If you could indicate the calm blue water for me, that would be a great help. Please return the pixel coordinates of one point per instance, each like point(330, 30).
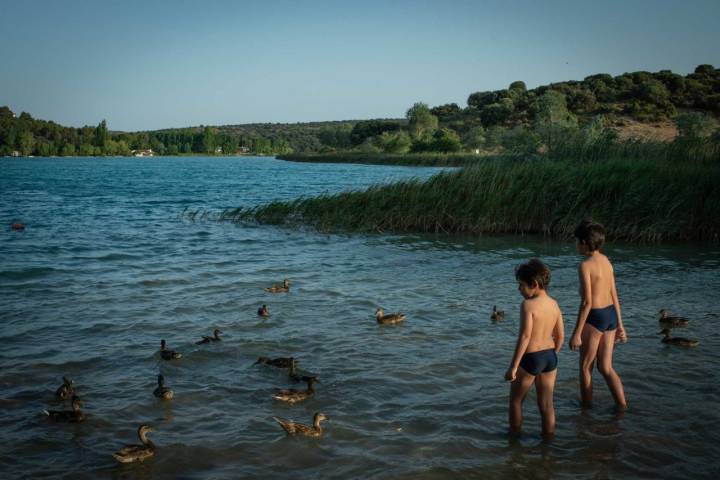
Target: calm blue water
point(107, 267)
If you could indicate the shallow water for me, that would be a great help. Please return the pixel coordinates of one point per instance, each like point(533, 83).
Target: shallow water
point(107, 267)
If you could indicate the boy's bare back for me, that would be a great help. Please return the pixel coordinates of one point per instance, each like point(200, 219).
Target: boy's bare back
point(597, 275)
point(545, 314)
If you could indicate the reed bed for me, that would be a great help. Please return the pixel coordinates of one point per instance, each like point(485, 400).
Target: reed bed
point(406, 160)
point(640, 191)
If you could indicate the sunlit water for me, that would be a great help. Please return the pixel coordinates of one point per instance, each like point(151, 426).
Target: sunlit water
point(107, 267)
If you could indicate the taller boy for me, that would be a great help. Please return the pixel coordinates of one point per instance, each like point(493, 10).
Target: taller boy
point(599, 323)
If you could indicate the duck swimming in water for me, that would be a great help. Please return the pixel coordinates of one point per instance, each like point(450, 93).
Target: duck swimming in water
point(682, 342)
point(72, 416)
point(66, 390)
point(166, 354)
point(162, 391)
point(389, 319)
point(214, 338)
point(293, 428)
point(263, 311)
point(17, 226)
point(497, 314)
point(292, 395)
point(294, 377)
point(280, 362)
point(285, 287)
point(137, 453)
point(672, 320)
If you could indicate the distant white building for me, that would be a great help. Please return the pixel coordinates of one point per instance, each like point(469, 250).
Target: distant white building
point(143, 153)
point(218, 150)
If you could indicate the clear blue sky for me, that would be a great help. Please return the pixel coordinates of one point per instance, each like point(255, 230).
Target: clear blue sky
point(160, 64)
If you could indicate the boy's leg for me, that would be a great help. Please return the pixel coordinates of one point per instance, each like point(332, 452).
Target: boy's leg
point(604, 358)
point(591, 337)
point(518, 391)
point(545, 386)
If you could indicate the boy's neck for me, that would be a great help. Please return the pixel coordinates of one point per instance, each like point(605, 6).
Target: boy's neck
point(539, 293)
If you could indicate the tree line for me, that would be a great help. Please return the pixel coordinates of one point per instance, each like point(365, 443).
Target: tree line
point(514, 119)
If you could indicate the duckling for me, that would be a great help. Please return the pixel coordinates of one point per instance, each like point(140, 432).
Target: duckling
point(166, 354)
point(682, 342)
point(162, 391)
point(293, 428)
point(390, 318)
point(73, 416)
point(66, 390)
point(263, 311)
point(214, 338)
point(292, 395)
point(137, 453)
point(497, 314)
point(671, 320)
point(280, 362)
point(285, 287)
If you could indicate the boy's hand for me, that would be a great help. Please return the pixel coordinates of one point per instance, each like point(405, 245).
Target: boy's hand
point(620, 335)
point(575, 342)
point(511, 374)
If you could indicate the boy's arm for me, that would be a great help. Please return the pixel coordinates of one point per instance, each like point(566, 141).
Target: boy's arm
point(526, 324)
point(620, 335)
point(559, 333)
point(585, 306)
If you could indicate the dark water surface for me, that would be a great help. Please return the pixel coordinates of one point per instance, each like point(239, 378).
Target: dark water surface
point(106, 268)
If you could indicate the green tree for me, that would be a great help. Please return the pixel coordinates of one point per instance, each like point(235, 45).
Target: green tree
point(553, 120)
point(27, 143)
point(101, 135)
point(474, 138)
point(420, 121)
point(68, 150)
point(695, 125)
point(445, 140)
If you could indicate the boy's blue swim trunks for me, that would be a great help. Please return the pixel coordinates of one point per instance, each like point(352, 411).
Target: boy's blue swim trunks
point(604, 319)
point(538, 362)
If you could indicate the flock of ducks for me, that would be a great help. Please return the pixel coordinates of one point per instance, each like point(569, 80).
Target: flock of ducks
point(146, 448)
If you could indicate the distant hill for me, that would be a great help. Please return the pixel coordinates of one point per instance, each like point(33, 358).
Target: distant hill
point(635, 105)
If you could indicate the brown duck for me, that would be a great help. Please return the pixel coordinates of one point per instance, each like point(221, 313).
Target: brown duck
point(137, 453)
point(680, 341)
point(293, 428)
point(389, 319)
point(293, 396)
point(66, 390)
point(671, 320)
point(72, 416)
point(284, 288)
point(162, 391)
point(214, 338)
point(497, 314)
point(280, 362)
point(166, 354)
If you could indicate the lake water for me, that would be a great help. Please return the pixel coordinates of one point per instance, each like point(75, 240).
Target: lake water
point(107, 267)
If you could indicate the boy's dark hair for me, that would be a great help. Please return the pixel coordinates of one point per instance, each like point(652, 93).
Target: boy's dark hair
point(591, 234)
point(534, 270)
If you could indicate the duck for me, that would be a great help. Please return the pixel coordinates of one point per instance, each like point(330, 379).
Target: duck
point(294, 428)
point(682, 342)
point(294, 377)
point(66, 390)
point(72, 416)
point(263, 311)
point(18, 226)
point(137, 453)
point(497, 314)
point(285, 287)
point(166, 354)
point(292, 395)
point(671, 320)
point(280, 362)
point(390, 318)
point(214, 338)
point(162, 391)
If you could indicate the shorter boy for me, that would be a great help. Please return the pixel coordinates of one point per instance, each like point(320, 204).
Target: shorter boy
point(540, 339)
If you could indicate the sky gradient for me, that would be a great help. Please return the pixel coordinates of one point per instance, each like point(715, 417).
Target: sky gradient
point(157, 64)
